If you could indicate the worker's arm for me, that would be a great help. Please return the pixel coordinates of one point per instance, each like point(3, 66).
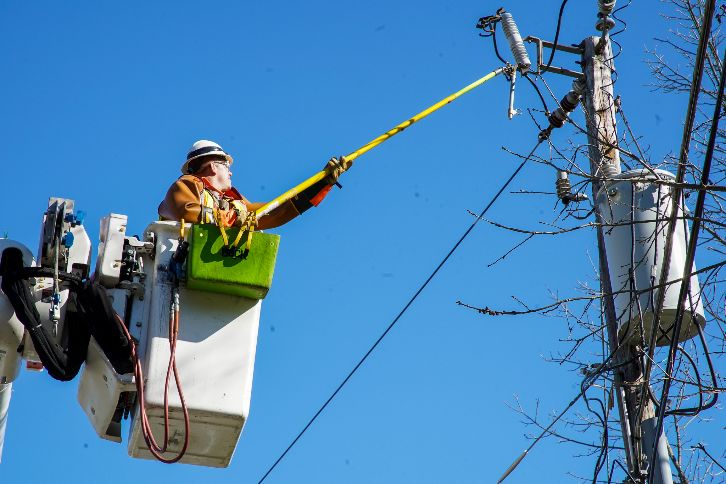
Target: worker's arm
point(280, 216)
point(311, 196)
point(182, 200)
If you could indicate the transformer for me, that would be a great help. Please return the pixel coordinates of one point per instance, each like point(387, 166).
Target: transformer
point(635, 208)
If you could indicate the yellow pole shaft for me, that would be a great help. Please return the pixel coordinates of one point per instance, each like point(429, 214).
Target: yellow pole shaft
point(393, 132)
point(270, 206)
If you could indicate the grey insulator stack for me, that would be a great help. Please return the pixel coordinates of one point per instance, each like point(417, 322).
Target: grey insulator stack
point(605, 9)
point(516, 45)
point(564, 189)
point(567, 104)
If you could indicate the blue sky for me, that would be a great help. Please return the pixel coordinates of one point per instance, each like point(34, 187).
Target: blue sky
point(101, 101)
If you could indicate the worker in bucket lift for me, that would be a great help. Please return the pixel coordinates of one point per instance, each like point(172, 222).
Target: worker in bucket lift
point(204, 193)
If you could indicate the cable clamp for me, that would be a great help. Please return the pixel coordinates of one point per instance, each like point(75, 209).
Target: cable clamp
point(544, 134)
point(489, 22)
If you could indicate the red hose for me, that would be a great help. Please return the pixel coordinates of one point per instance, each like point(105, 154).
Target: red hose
point(155, 449)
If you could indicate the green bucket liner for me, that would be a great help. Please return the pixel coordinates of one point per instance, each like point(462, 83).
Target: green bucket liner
point(210, 268)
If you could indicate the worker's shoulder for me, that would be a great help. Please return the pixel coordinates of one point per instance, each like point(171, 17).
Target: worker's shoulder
point(190, 180)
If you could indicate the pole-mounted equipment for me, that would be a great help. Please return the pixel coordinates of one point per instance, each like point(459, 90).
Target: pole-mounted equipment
point(516, 45)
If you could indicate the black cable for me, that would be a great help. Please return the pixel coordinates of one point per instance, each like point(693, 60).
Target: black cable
point(62, 360)
point(630, 476)
point(677, 191)
point(28, 272)
point(400, 314)
point(557, 36)
point(693, 411)
point(494, 41)
point(584, 386)
point(700, 202)
point(599, 462)
point(615, 16)
point(615, 56)
point(711, 368)
point(489, 25)
point(703, 448)
point(539, 93)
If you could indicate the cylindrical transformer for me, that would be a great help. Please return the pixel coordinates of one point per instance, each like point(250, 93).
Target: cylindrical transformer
point(635, 210)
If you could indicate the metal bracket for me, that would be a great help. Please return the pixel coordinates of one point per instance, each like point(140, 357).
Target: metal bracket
point(541, 67)
point(136, 288)
point(511, 111)
point(139, 246)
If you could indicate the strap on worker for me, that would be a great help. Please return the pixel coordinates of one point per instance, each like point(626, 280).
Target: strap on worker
point(208, 204)
point(247, 229)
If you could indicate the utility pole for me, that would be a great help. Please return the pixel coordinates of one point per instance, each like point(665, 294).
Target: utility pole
point(638, 437)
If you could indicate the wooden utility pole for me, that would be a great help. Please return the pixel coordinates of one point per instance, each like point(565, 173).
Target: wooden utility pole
point(604, 158)
point(600, 106)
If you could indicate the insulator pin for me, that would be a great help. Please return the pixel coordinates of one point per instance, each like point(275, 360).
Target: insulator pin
point(564, 189)
point(609, 170)
point(604, 22)
point(516, 45)
point(567, 104)
point(606, 7)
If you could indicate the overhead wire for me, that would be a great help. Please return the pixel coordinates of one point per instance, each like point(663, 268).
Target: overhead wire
point(705, 172)
point(494, 42)
point(489, 26)
point(700, 407)
point(703, 448)
point(539, 93)
point(437, 268)
point(557, 35)
point(401, 313)
point(614, 15)
point(714, 390)
point(584, 386)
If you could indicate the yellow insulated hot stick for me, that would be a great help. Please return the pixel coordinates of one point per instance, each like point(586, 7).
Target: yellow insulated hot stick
point(270, 206)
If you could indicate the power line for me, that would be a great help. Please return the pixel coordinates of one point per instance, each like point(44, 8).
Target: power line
point(584, 386)
point(676, 197)
point(557, 35)
point(693, 242)
point(401, 313)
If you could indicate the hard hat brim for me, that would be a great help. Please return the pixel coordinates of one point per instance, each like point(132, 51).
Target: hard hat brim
point(185, 166)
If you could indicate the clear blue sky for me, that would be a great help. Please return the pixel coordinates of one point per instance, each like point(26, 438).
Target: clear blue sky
point(101, 100)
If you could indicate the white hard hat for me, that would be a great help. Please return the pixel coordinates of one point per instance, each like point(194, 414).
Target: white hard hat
point(201, 148)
